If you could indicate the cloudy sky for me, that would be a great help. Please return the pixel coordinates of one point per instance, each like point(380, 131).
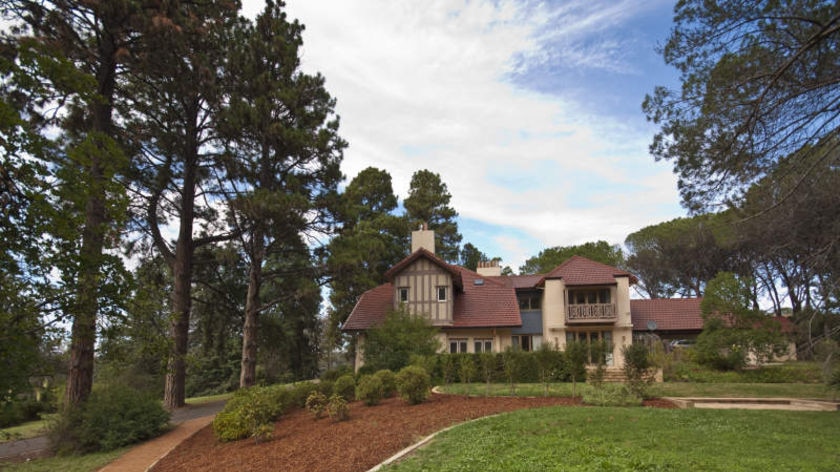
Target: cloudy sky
point(529, 110)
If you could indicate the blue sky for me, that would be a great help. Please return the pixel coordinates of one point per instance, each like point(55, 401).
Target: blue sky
point(529, 111)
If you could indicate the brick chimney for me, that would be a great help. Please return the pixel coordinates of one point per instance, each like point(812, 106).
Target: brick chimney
point(423, 237)
point(489, 268)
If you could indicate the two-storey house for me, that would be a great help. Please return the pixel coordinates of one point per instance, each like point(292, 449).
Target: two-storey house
point(485, 311)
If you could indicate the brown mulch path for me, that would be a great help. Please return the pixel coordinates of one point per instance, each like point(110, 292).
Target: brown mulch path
point(371, 435)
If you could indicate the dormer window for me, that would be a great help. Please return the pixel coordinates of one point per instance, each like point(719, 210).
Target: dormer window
point(441, 293)
point(403, 294)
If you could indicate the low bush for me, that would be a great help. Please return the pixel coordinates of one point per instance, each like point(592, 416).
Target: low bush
point(389, 382)
point(338, 408)
point(250, 413)
point(610, 395)
point(112, 417)
point(299, 392)
point(345, 386)
point(413, 384)
point(333, 374)
point(316, 404)
point(370, 390)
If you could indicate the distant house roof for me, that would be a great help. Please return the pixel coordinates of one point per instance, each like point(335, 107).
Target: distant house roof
point(518, 281)
point(482, 302)
point(580, 271)
point(670, 314)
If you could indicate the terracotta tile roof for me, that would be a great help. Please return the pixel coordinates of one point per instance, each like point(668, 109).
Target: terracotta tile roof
point(670, 314)
point(579, 270)
point(371, 308)
point(518, 281)
point(491, 304)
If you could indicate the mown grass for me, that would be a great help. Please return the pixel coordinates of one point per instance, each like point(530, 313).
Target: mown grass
point(663, 389)
point(636, 439)
point(86, 463)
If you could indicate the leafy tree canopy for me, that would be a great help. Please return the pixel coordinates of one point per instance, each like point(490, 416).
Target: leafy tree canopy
point(391, 345)
point(548, 259)
point(760, 81)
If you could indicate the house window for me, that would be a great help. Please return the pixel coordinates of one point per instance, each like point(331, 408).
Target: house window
point(483, 345)
point(441, 294)
point(529, 302)
point(591, 337)
point(457, 345)
point(522, 343)
point(403, 294)
point(589, 297)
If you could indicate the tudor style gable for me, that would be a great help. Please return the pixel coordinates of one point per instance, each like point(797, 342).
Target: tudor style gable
point(425, 285)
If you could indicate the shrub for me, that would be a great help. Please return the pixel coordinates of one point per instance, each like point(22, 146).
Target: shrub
point(636, 365)
point(370, 390)
point(413, 384)
point(338, 408)
point(510, 365)
point(333, 374)
point(250, 413)
point(466, 369)
point(389, 382)
point(345, 386)
point(316, 403)
point(610, 395)
point(299, 392)
point(113, 416)
point(449, 368)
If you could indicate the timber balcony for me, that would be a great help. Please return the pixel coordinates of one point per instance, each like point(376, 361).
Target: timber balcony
point(591, 313)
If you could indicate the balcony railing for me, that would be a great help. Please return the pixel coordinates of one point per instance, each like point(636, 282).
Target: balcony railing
point(598, 312)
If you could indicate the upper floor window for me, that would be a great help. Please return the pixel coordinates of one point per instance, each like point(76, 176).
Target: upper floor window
point(441, 294)
point(403, 294)
point(589, 297)
point(529, 301)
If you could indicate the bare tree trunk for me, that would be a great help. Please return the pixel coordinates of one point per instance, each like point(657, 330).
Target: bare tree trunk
point(248, 372)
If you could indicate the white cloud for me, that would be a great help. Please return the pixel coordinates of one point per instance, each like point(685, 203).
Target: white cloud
point(427, 85)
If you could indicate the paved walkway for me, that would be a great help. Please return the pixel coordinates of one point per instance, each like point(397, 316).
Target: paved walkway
point(187, 421)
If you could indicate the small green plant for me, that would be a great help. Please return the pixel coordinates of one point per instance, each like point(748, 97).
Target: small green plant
point(389, 382)
point(316, 403)
point(466, 370)
point(345, 386)
point(370, 390)
point(510, 365)
point(637, 365)
point(338, 408)
point(449, 368)
point(413, 384)
point(487, 362)
point(250, 413)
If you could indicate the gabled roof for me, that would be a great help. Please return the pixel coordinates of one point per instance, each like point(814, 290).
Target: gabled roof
point(487, 304)
point(518, 281)
point(371, 308)
point(490, 304)
point(670, 314)
point(580, 271)
point(424, 254)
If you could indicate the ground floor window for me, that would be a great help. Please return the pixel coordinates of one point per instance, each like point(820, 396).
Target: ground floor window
point(526, 342)
point(457, 345)
point(483, 345)
point(599, 343)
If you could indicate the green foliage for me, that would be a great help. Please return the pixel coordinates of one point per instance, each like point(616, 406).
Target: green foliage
point(112, 417)
point(511, 361)
point(732, 330)
point(611, 395)
point(428, 202)
point(548, 259)
point(370, 389)
point(338, 409)
point(413, 384)
point(550, 364)
point(391, 345)
point(389, 382)
point(637, 365)
point(316, 403)
point(576, 354)
point(299, 392)
point(487, 366)
point(333, 374)
point(251, 413)
point(449, 368)
point(345, 387)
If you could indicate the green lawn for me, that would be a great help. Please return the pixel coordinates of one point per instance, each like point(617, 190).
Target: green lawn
point(86, 463)
point(636, 439)
point(665, 389)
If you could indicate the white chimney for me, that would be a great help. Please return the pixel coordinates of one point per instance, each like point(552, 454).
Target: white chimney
point(489, 268)
point(423, 237)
